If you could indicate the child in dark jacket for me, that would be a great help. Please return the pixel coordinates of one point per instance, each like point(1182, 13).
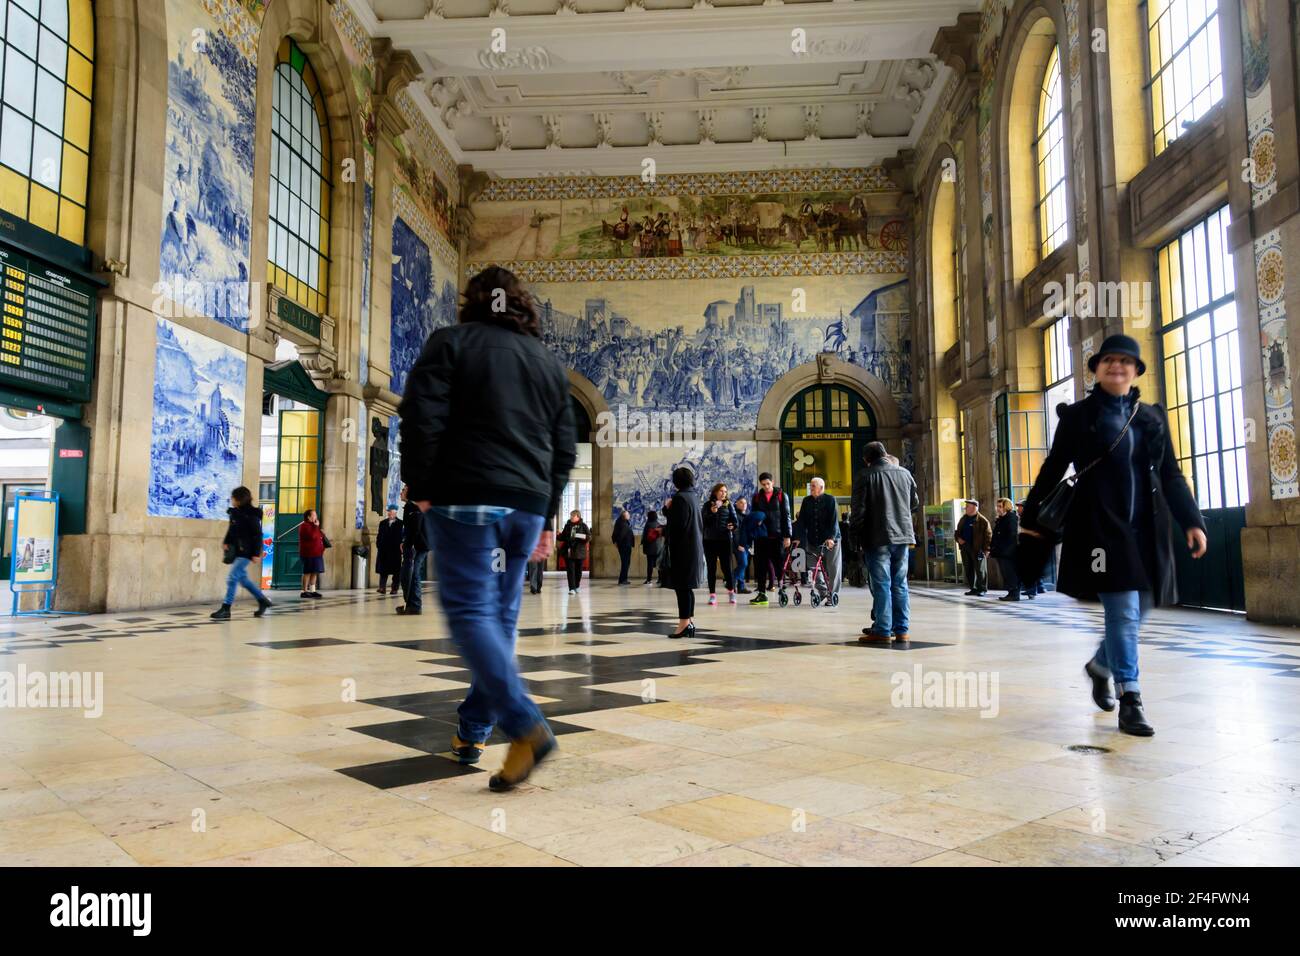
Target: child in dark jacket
point(242, 545)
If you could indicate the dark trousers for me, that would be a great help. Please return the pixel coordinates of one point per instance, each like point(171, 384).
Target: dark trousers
point(685, 602)
point(1009, 577)
point(413, 563)
point(624, 562)
point(767, 558)
point(573, 566)
point(651, 562)
point(715, 553)
point(977, 575)
point(383, 580)
point(535, 572)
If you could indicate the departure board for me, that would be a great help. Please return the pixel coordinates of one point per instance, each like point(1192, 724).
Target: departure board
point(47, 336)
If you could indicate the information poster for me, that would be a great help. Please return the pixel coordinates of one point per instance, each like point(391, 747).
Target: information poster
point(268, 543)
point(33, 545)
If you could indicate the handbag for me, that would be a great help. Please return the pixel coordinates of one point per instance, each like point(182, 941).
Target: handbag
point(325, 541)
point(1056, 504)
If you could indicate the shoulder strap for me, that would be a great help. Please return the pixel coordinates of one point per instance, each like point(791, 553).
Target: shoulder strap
point(1113, 445)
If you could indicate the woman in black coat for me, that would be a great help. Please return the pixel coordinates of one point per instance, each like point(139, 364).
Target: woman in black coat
point(1118, 536)
point(720, 523)
point(573, 540)
point(685, 549)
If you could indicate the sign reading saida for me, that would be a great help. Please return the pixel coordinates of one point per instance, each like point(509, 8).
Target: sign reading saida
point(47, 333)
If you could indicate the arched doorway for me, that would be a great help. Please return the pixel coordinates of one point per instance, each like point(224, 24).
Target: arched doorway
point(579, 492)
point(824, 431)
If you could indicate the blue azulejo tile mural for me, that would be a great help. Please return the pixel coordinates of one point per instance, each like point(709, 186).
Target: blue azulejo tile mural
point(196, 458)
point(643, 476)
point(208, 173)
point(424, 299)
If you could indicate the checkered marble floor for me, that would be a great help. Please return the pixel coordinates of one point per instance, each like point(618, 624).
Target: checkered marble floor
point(317, 736)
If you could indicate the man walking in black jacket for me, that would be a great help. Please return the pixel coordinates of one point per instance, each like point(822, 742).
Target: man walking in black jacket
point(772, 530)
point(487, 446)
point(415, 556)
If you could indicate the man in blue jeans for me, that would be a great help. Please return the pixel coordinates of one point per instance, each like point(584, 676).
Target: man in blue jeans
point(884, 499)
point(487, 478)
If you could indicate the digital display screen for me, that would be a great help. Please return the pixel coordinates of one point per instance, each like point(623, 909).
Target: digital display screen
point(47, 329)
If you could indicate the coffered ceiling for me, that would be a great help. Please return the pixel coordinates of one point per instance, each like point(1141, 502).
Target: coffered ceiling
point(594, 87)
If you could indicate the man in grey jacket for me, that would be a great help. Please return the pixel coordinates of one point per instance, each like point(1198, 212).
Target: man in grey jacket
point(884, 498)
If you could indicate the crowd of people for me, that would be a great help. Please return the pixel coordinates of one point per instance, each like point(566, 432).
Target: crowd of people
point(483, 509)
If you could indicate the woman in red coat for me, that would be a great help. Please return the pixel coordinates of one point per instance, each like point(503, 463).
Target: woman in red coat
point(311, 549)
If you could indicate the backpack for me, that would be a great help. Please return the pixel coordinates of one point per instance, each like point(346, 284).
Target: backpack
point(653, 534)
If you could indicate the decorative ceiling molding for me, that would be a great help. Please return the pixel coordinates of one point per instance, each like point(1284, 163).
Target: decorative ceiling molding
point(695, 89)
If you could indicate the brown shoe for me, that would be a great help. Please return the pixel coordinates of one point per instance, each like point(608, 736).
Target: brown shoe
point(524, 755)
point(871, 637)
point(902, 637)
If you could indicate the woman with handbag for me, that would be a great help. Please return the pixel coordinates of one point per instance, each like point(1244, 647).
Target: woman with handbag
point(719, 521)
point(573, 541)
point(1115, 518)
point(311, 549)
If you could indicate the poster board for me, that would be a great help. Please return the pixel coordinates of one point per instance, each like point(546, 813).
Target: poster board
point(34, 549)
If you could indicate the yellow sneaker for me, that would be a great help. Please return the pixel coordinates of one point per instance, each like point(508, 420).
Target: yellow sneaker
point(525, 753)
point(467, 752)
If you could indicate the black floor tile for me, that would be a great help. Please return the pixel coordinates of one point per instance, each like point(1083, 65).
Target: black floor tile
point(408, 770)
point(305, 642)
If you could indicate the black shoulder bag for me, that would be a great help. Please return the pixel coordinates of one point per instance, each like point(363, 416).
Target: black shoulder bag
point(1056, 505)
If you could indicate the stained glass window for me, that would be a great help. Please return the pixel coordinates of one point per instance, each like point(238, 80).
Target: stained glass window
point(1049, 152)
point(1202, 362)
point(1186, 64)
point(298, 234)
point(47, 52)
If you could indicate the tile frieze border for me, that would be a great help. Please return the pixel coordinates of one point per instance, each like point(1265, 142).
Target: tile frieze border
point(711, 267)
point(861, 179)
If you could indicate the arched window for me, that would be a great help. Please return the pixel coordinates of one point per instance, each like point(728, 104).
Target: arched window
point(828, 408)
point(298, 234)
point(47, 52)
point(1186, 63)
point(1049, 153)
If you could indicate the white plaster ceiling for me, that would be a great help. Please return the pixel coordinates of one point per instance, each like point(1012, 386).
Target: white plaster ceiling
point(594, 87)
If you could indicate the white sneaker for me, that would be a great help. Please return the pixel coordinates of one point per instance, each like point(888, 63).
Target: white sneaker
point(713, 600)
point(731, 597)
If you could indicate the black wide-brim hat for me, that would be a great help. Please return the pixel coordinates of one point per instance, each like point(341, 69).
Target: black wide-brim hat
point(1118, 345)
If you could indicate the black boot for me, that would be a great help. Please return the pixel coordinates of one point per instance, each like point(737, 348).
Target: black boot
point(262, 605)
point(1101, 695)
point(1132, 719)
point(221, 614)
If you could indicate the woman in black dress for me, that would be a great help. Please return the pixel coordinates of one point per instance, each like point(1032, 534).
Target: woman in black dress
point(685, 549)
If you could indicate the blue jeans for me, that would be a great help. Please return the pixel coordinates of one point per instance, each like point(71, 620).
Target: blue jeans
point(1117, 654)
point(239, 575)
point(481, 601)
point(413, 578)
point(742, 565)
point(887, 566)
